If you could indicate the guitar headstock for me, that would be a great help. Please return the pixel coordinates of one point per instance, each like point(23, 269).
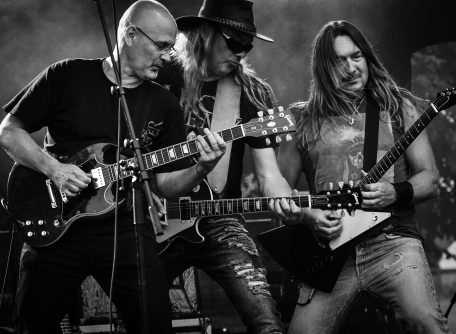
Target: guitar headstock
point(271, 124)
point(445, 99)
point(344, 198)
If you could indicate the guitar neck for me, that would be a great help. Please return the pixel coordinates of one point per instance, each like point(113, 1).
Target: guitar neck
point(242, 205)
point(400, 146)
point(172, 153)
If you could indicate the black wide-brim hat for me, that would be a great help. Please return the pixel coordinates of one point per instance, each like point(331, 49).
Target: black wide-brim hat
point(236, 14)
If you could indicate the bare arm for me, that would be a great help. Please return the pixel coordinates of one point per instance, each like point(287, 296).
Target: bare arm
point(179, 182)
point(18, 143)
point(289, 162)
point(325, 224)
point(423, 170)
point(270, 180)
point(420, 158)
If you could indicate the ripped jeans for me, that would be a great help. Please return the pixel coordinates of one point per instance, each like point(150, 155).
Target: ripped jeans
point(393, 267)
point(230, 257)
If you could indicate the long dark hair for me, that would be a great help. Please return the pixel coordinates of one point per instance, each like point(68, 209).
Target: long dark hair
point(328, 97)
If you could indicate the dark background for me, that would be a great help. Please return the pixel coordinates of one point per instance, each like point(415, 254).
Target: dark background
point(414, 38)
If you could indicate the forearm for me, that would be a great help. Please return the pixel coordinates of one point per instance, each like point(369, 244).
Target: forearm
point(180, 182)
point(274, 186)
point(425, 185)
point(21, 147)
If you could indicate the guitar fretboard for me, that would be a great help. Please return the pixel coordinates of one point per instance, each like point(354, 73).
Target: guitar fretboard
point(169, 154)
point(403, 142)
point(241, 205)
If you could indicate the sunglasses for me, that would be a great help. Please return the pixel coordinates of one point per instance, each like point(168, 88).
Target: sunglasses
point(235, 46)
point(161, 46)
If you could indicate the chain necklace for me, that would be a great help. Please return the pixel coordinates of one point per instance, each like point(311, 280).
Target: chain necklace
point(351, 118)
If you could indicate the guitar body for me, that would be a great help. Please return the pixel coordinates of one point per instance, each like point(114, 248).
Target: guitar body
point(180, 225)
point(44, 213)
point(299, 252)
point(29, 199)
point(356, 224)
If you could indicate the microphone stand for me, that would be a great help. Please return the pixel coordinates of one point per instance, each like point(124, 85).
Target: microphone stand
point(143, 176)
point(453, 299)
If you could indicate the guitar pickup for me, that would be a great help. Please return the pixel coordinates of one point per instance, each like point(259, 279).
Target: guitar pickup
point(185, 208)
point(97, 178)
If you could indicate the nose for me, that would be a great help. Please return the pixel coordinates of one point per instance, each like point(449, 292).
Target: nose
point(351, 66)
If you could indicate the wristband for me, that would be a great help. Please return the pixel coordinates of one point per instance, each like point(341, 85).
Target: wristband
point(404, 194)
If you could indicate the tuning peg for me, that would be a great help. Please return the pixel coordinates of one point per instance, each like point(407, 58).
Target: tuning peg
point(331, 186)
point(351, 183)
point(278, 139)
point(260, 114)
point(288, 137)
point(268, 141)
point(270, 111)
point(280, 108)
point(340, 184)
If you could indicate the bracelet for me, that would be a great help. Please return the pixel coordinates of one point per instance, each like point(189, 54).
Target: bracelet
point(404, 194)
point(200, 173)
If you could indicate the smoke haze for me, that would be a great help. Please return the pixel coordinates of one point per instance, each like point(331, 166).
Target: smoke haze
point(36, 33)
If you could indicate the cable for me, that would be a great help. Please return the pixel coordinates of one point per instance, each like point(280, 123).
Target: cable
point(116, 216)
point(10, 250)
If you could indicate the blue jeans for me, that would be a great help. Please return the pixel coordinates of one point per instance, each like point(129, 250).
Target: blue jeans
point(230, 257)
point(392, 266)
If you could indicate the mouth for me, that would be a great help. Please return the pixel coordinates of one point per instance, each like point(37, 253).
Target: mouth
point(352, 80)
point(234, 63)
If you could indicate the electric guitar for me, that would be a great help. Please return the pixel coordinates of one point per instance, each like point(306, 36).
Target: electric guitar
point(300, 253)
point(184, 214)
point(44, 213)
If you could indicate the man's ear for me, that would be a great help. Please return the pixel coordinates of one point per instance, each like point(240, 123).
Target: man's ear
point(130, 35)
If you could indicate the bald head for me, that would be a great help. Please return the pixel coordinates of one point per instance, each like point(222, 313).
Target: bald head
point(149, 15)
point(147, 31)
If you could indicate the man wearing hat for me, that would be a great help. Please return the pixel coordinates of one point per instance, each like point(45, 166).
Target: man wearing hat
point(218, 89)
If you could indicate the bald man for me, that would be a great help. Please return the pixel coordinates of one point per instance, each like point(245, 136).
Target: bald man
point(72, 99)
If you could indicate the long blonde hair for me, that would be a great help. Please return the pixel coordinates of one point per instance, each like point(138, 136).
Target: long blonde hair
point(194, 53)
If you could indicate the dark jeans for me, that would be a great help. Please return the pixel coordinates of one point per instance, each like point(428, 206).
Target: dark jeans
point(230, 257)
point(51, 276)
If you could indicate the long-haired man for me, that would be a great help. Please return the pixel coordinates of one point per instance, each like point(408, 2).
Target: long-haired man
point(213, 81)
point(348, 83)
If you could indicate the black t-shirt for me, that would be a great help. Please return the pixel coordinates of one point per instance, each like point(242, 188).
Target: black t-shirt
point(171, 77)
point(73, 99)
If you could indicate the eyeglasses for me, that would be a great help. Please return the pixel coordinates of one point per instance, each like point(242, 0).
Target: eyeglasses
point(161, 46)
point(235, 46)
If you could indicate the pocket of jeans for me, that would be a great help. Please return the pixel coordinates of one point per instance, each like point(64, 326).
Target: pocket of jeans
point(391, 236)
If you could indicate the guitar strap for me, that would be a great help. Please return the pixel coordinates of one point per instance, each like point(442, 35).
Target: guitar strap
point(224, 115)
point(370, 135)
